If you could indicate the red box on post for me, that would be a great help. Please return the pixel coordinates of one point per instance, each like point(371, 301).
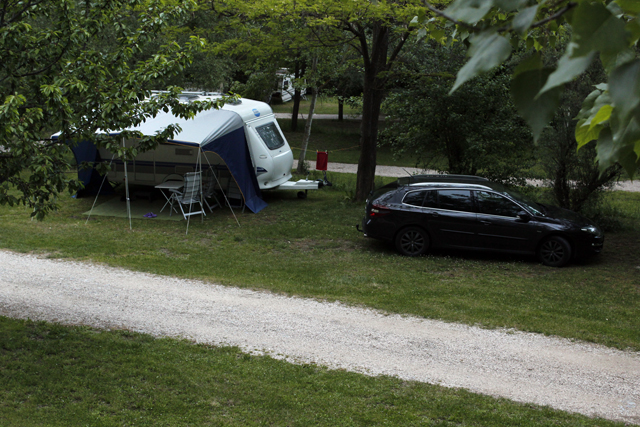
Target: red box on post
point(322, 158)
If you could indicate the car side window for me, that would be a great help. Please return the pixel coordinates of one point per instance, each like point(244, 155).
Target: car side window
point(455, 200)
point(495, 204)
point(430, 199)
point(414, 198)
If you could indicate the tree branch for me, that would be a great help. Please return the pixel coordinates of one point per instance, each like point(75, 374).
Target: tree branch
point(508, 28)
point(448, 18)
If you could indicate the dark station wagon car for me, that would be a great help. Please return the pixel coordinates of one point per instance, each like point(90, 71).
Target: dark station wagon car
point(466, 212)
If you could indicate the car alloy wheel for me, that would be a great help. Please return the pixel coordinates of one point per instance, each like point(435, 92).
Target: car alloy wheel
point(412, 241)
point(554, 252)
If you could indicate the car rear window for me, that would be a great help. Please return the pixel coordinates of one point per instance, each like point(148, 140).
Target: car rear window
point(414, 198)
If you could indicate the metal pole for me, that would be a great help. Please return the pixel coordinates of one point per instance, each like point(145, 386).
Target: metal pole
point(126, 183)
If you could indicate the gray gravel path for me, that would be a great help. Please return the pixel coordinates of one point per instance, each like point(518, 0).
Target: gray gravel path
point(571, 376)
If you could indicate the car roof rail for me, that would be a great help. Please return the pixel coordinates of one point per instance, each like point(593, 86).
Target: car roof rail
point(417, 179)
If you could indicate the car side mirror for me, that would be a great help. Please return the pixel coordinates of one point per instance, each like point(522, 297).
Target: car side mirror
point(523, 216)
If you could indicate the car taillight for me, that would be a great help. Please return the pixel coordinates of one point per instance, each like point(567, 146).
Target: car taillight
point(379, 210)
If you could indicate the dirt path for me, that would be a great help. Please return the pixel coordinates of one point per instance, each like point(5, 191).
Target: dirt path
point(576, 377)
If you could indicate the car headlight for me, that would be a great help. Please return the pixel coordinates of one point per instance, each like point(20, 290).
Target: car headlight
point(591, 229)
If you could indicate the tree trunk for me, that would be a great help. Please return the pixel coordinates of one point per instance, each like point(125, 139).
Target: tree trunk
point(373, 94)
point(297, 96)
point(296, 110)
point(307, 128)
point(340, 109)
point(307, 133)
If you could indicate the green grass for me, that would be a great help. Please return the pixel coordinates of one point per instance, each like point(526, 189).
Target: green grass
point(311, 248)
point(324, 105)
point(341, 139)
point(71, 376)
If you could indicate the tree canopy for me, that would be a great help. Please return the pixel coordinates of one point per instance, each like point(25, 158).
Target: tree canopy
point(606, 29)
point(71, 67)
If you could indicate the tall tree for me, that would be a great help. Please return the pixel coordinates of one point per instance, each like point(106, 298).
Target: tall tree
point(69, 66)
point(376, 29)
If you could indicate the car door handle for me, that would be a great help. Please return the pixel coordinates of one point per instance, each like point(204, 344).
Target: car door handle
point(485, 222)
point(435, 214)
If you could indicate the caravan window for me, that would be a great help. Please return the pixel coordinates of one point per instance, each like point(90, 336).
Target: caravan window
point(271, 135)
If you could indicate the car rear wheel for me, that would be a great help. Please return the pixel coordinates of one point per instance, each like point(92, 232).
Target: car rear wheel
point(412, 241)
point(554, 252)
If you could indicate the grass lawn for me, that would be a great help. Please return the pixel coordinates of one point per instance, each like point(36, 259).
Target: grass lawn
point(324, 105)
point(71, 376)
point(341, 139)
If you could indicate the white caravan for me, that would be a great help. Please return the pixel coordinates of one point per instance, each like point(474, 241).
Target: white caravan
point(284, 90)
point(271, 156)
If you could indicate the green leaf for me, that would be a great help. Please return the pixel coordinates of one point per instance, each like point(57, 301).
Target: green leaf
point(438, 35)
point(510, 5)
point(634, 29)
point(585, 134)
point(602, 115)
point(595, 28)
point(487, 51)
point(624, 87)
point(536, 110)
point(529, 41)
point(567, 70)
point(524, 19)
point(606, 150)
point(592, 105)
point(629, 6)
point(534, 62)
point(469, 11)
point(611, 60)
point(619, 147)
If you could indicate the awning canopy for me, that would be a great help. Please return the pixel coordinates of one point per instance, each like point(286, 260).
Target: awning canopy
point(217, 131)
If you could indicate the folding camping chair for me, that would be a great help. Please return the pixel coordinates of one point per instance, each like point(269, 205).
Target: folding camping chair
point(190, 195)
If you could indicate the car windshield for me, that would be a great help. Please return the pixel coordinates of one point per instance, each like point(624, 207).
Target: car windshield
point(530, 204)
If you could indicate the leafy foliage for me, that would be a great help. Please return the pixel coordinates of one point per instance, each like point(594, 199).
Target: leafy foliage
point(71, 67)
point(575, 179)
point(375, 32)
point(599, 28)
point(475, 130)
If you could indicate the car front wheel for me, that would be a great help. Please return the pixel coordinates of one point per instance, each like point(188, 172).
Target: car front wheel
point(412, 241)
point(554, 252)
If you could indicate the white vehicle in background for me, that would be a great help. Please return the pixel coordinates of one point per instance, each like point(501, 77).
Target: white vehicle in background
point(284, 90)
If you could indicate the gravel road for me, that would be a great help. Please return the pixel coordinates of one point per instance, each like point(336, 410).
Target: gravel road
point(571, 376)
